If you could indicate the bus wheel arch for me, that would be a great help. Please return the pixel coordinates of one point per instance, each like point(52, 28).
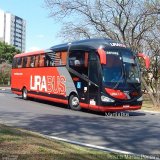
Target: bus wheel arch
point(24, 93)
point(73, 101)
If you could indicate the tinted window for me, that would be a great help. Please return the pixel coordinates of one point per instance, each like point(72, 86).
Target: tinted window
point(24, 62)
point(37, 61)
point(63, 58)
point(93, 68)
point(130, 66)
point(28, 61)
point(49, 60)
point(32, 62)
point(78, 60)
point(55, 58)
point(42, 60)
point(14, 63)
point(113, 70)
point(19, 62)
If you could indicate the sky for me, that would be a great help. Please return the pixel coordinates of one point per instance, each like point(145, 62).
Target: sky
point(41, 30)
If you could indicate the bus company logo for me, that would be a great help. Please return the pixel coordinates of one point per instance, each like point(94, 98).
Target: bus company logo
point(118, 45)
point(55, 84)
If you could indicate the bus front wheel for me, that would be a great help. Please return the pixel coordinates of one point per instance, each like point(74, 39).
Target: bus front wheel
point(74, 102)
point(24, 94)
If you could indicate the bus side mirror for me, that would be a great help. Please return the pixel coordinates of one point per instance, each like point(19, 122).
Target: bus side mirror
point(145, 58)
point(102, 56)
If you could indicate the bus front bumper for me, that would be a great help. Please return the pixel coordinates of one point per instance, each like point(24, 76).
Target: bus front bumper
point(111, 108)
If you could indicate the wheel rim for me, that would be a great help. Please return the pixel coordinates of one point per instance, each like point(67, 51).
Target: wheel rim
point(75, 101)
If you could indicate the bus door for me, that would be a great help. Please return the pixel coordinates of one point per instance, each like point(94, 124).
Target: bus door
point(78, 67)
point(94, 79)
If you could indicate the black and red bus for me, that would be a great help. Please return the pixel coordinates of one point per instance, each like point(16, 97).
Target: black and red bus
point(97, 74)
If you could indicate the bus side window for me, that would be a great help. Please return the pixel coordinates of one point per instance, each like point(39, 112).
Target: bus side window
point(28, 61)
point(94, 67)
point(57, 60)
point(41, 61)
point(32, 62)
point(48, 61)
point(24, 62)
point(37, 61)
point(14, 63)
point(86, 60)
point(63, 58)
point(19, 62)
point(78, 60)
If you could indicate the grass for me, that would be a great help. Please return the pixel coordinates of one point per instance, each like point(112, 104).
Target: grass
point(148, 105)
point(25, 145)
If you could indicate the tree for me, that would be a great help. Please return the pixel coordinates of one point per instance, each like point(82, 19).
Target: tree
point(125, 20)
point(5, 71)
point(129, 21)
point(7, 52)
point(153, 79)
point(6, 55)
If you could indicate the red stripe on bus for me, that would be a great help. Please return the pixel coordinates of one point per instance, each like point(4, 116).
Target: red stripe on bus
point(18, 93)
point(48, 98)
point(109, 108)
point(84, 105)
point(113, 108)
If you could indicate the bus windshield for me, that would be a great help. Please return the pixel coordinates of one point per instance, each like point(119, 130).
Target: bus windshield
point(121, 67)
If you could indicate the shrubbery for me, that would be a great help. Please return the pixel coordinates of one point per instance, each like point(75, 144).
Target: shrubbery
point(5, 71)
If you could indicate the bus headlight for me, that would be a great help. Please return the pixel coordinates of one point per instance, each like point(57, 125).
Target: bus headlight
point(140, 99)
point(106, 99)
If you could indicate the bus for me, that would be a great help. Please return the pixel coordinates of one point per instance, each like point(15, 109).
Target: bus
point(96, 74)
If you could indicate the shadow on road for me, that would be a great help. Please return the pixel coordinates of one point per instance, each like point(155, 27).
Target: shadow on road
point(134, 135)
point(60, 105)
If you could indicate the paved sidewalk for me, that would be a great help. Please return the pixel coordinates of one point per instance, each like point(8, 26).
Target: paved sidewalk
point(5, 88)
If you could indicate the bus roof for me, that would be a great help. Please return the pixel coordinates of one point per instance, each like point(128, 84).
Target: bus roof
point(29, 53)
point(90, 43)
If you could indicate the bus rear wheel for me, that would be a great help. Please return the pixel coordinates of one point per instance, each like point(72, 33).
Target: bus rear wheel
point(74, 102)
point(24, 94)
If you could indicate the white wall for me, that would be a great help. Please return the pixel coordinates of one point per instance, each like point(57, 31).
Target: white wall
point(8, 28)
point(2, 25)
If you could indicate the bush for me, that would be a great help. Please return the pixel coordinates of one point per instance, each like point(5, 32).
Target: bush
point(5, 72)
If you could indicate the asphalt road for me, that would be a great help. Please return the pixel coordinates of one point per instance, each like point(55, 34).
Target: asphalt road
point(136, 132)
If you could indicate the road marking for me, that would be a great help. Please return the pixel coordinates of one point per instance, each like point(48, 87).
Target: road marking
point(126, 153)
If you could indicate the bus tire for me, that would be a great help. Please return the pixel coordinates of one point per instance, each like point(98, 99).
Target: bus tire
point(74, 102)
point(24, 94)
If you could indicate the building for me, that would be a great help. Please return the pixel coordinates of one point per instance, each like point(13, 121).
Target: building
point(13, 30)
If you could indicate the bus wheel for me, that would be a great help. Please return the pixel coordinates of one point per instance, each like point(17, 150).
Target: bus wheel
point(74, 102)
point(24, 94)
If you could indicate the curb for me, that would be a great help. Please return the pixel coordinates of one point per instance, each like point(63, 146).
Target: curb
point(150, 111)
point(4, 88)
point(89, 145)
